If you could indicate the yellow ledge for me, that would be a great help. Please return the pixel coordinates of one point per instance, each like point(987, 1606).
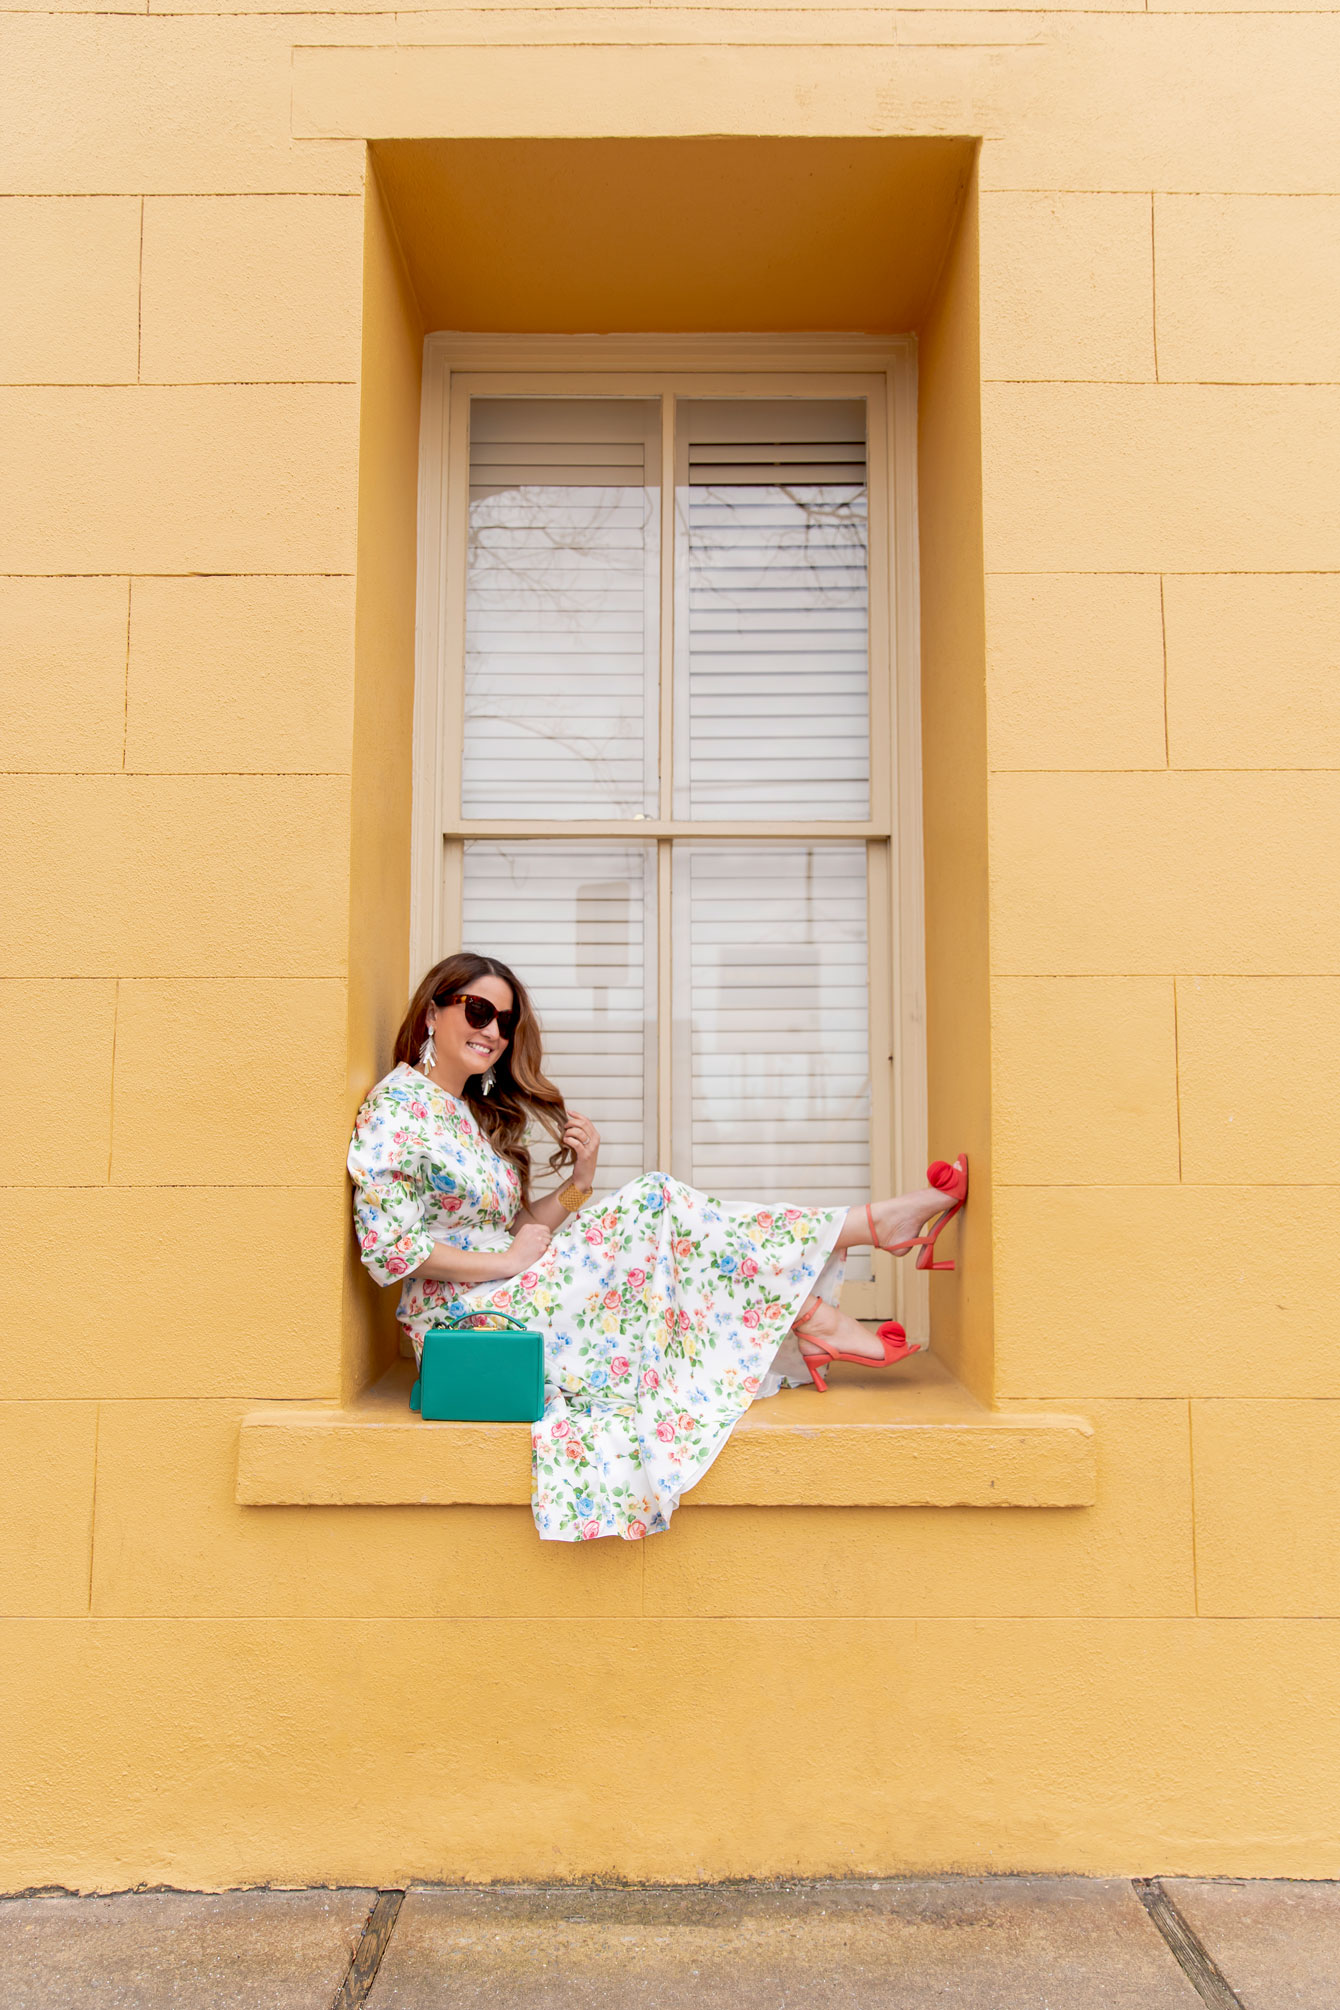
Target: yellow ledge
point(910, 1438)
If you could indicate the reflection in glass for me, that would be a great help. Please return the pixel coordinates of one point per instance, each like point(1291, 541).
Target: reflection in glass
point(562, 594)
point(772, 1092)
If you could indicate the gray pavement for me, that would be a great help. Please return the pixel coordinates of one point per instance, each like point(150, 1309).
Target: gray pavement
point(988, 1943)
point(1276, 1942)
point(180, 1950)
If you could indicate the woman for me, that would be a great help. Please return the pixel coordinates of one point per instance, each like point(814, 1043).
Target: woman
point(664, 1312)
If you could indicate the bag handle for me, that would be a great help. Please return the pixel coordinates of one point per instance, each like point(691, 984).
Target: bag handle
point(484, 1312)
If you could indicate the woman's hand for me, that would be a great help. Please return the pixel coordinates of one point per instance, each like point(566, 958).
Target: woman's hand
point(582, 1139)
point(528, 1246)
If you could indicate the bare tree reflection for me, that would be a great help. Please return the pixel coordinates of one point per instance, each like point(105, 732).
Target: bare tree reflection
point(548, 553)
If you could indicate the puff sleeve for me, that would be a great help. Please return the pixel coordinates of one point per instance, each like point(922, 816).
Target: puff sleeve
point(386, 1164)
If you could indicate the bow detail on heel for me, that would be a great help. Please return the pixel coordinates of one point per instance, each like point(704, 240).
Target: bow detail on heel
point(891, 1336)
point(952, 1182)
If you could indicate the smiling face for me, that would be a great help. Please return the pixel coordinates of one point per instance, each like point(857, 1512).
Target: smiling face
point(460, 1048)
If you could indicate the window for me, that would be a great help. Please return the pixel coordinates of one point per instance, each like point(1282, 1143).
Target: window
point(665, 764)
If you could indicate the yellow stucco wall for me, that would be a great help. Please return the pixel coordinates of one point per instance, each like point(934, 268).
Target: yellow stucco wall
point(208, 360)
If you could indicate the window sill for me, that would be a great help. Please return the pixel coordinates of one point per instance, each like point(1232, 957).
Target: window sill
point(914, 1440)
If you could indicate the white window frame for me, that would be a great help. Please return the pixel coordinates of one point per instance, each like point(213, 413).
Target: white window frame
point(881, 369)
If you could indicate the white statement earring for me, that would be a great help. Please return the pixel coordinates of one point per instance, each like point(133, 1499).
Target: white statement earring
point(427, 1053)
point(486, 1083)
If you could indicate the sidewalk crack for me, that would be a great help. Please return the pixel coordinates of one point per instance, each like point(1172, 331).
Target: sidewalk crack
point(1187, 1948)
point(373, 1942)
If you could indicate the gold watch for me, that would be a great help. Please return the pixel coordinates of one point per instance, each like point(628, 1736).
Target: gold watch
point(574, 1197)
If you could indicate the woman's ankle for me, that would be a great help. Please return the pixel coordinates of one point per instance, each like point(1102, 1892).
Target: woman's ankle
point(855, 1230)
point(898, 1219)
point(816, 1320)
point(829, 1325)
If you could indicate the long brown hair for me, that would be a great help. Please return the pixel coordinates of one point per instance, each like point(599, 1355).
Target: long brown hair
point(521, 1090)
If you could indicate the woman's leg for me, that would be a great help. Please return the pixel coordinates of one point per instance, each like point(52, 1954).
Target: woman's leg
point(896, 1220)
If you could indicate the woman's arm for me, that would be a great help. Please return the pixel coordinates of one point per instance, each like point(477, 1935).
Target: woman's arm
point(583, 1140)
point(390, 1192)
point(548, 1213)
point(486, 1266)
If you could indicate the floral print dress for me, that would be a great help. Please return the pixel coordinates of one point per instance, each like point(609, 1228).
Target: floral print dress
point(665, 1313)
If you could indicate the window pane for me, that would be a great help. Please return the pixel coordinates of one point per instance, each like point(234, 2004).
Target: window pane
point(562, 622)
point(772, 701)
point(772, 1089)
point(577, 925)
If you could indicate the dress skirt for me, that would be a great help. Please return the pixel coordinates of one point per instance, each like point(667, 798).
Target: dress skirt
point(665, 1315)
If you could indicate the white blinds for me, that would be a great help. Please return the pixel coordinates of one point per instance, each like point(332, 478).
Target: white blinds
point(772, 683)
point(772, 1091)
point(768, 967)
point(772, 1088)
point(562, 594)
point(576, 924)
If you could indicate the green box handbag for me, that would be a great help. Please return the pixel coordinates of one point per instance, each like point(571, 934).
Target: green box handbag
point(493, 1377)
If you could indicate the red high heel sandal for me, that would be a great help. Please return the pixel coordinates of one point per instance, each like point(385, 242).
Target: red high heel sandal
point(952, 1181)
point(891, 1336)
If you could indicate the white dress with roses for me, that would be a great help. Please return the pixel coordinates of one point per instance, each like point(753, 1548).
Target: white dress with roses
point(665, 1313)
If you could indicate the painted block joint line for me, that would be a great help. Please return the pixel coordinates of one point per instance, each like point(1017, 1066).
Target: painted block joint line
point(1188, 1950)
point(372, 1944)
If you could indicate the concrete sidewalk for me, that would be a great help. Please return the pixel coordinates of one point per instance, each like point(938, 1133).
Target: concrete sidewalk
point(988, 1943)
